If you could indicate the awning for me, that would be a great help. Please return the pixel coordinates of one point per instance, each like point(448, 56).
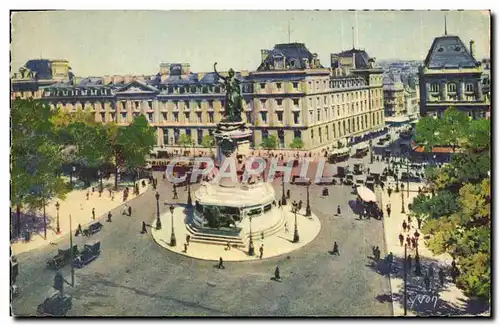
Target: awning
point(366, 194)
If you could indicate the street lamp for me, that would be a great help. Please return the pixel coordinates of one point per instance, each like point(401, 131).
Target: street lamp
point(370, 142)
point(402, 199)
point(189, 200)
point(71, 252)
point(296, 230)
point(58, 229)
point(405, 298)
point(397, 181)
point(73, 169)
point(158, 221)
point(251, 248)
point(308, 206)
point(283, 197)
point(173, 241)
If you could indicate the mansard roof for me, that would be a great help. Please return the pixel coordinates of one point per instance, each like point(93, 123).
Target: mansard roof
point(361, 58)
point(449, 52)
point(41, 67)
point(295, 54)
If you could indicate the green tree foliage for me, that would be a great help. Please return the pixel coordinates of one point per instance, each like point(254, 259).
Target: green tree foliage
point(35, 156)
point(207, 141)
point(185, 140)
point(297, 143)
point(270, 142)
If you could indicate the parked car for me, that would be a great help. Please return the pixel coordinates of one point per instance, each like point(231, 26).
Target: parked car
point(62, 258)
point(349, 179)
point(358, 168)
point(87, 255)
point(56, 305)
point(93, 228)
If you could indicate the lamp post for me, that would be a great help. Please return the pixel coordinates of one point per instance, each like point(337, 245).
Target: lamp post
point(283, 197)
point(58, 229)
point(173, 241)
point(71, 252)
point(189, 199)
point(405, 298)
point(402, 199)
point(251, 248)
point(308, 206)
point(73, 169)
point(397, 181)
point(295, 230)
point(158, 221)
point(370, 142)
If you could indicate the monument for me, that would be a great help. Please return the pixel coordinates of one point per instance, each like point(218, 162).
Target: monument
point(232, 211)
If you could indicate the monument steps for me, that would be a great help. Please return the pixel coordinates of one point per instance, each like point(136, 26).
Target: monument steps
point(215, 239)
point(269, 231)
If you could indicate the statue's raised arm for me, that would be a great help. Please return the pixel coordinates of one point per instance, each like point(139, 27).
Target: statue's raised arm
point(218, 75)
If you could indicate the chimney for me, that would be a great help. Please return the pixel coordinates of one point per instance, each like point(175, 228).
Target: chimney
point(263, 55)
point(353, 60)
point(471, 48)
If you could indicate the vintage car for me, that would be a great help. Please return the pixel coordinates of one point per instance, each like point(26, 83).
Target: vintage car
point(358, 168)
point(93, 228)
point(56, 305)
point(87, 255)
point(349, 179)
point(62, 258)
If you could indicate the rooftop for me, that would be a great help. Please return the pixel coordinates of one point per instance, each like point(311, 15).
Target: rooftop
point(296, 56)
point(448, 52)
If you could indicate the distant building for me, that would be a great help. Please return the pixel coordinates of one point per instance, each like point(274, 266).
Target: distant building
point(450, 76)
point(394, 96)
point(290, 95)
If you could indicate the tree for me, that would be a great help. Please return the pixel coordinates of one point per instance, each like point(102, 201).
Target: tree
point(297, 143)
point(35, 156)
point(184, 140)
point(425, 133)
point(270, 142)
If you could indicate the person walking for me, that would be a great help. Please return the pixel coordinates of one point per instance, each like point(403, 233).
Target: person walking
point(288, 193)
point(93, 213)
point(129, 210)
point(279, 203)
point(404, 225)
point(78, 230)
point(175, 194)
point(338, 210)
point(389, 192)
point(261, 251)
point(109, 217)
point(408, 263)
point(277, 274)
point(388, 210)
point(87, 195)
point(377, 253)
point(188, 238)
point(286, 227)
point(110, 192)
point(336, 248)
point(185, 247)
point(413, 243)
point(144, 230)
point(401, 239)
point(221, 264)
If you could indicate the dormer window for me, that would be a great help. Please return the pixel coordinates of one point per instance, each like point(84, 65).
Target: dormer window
point(469, 88)
point(434, 88)
point(262, 85)
point(452, 87)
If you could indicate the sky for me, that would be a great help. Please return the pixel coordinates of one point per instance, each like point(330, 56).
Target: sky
point(98, 43)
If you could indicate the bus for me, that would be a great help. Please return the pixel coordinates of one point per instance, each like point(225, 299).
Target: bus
point(339, 155)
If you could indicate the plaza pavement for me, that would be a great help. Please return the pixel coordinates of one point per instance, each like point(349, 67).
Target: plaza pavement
point(439, 301)
point(278, 244)
point(80, 209)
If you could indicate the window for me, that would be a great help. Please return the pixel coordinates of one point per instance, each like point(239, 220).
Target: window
point(262, 85)
point(297, 134)
point(186, 105)
point(198, 117)
point(279, 117)
point(150, 117)
point(163, 116)
point(296, 101)
point(295, 84)
point(198, 104)
point(279, 102)
point(278, 85)
point(103, 117)
point(211, 117)
point(112, 116)
point(469, 88)
point(175, 117)
point(263, 116)
point(210, 104)
point(296, 118)
point(318, 114)
point(263, 104)
point(124, 117)
point(249, 117)
point(452, 87)
point(434, 88)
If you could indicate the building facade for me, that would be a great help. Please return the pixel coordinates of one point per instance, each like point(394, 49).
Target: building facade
point(451, 76)
point(290, 95)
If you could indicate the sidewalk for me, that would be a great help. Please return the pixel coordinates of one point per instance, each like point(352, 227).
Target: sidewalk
point(439, 301)
point(80, 209)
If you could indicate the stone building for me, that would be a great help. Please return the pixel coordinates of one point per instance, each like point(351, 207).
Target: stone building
point(451, 76)
point(394, 96)
point(290, 95)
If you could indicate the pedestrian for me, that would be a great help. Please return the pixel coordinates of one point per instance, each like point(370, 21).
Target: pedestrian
point(112, 196)
point(388, 211)
point(129, 210)
point(288, 194)
point(175, 194)
point(408, 263)
point(144, 230)
point(336, 248)
point(377, 253)
point(221, 264)
point(409, 218)
point(401, 239)
point(110, 192)
point(441, 276)
point(427, 282)
point(188, 237)
point(300, 205)
point(228, 246)
point(404, 225)
point(277, 274)
point(78, 230)
point(279, 203)
point(338, 210)
point(109, 217)
point(408, 241)
point(413, 242)
point(416, 234)
point(88, 194)
point(185, 247)
point(93, 213)
point(261, 251)
point(389, 191)
point(92, 189)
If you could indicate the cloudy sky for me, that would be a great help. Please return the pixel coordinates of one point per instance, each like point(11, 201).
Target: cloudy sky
point(134, 42)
